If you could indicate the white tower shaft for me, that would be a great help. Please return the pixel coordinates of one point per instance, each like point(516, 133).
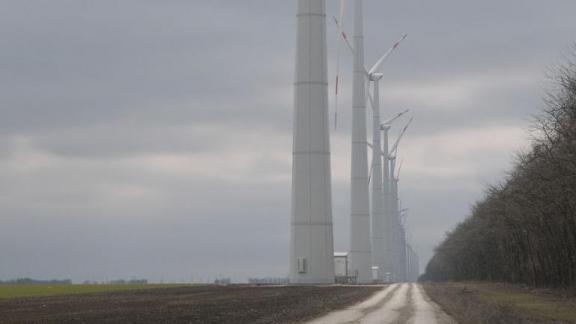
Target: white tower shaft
point(378, 243)
point(388, 229)
point(400, 234)
point(403, 261)
point(395, 225)
point(360, 259)
point(311, 247)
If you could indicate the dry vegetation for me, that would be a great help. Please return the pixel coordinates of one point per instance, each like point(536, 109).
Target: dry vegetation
point(524, 231)
point(502, 303)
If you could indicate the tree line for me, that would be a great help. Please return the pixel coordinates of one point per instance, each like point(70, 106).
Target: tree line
point(524, 230)
point(30, 281)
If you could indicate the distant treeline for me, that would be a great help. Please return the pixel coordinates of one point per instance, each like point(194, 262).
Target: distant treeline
point(28, 281)
point(524, 231)
point(269, 281)
point(129, 282)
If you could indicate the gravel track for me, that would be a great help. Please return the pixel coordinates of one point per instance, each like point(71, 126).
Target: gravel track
point(397, 303)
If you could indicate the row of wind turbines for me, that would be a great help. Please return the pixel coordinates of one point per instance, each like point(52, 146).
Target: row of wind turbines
point(379, 251)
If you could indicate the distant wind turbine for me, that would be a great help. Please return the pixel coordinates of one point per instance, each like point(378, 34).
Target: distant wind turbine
point(398, 239)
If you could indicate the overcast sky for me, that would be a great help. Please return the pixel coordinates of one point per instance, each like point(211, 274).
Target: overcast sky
point(152, 138)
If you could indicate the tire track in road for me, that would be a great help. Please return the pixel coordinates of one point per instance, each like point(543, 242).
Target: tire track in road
point(397, 303)
point(425, 311)
point(407, 311)
point(390, 311)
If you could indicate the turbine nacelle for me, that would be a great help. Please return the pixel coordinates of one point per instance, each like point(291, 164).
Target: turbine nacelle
point(385, 127)
point(375, 76)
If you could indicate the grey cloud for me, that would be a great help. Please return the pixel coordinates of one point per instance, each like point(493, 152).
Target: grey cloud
point(94, 87)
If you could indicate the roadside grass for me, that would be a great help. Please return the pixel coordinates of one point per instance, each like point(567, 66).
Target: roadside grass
point(16, 291)
point(552, 307)
point(502, 303)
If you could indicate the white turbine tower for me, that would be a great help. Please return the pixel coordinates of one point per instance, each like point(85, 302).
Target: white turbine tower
point(377, 234)
point(311, 246)
point(398, 231)
point(360, 258)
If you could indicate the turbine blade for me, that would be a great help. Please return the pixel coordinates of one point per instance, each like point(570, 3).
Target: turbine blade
point(340, 24)
point(344, 35)
point(372, 104)
point(370, 174)
point(399, 169)
point(347, 41)
point(379, 63)
point(395, 147)
point(336, 92)
point(391, 120)
point(342, 9)
point(337, 85)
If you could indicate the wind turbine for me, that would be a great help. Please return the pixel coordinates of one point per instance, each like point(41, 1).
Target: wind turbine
point(401, 228)
point(384, 128)
point(311, 236)
point(359, 226)
point(397, 243)
point(381, 227)
point(378, 239)
point(392, 155)
point(361, 253)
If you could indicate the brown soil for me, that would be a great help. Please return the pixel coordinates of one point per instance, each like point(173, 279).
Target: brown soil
point(205, 304)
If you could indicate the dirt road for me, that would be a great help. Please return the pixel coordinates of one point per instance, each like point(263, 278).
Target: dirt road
point(398, 303)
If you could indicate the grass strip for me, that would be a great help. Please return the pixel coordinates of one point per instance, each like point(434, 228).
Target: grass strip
point(17, 291)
